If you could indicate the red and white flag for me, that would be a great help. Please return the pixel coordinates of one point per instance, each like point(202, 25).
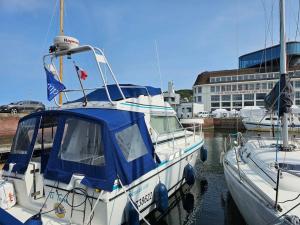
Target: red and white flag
point(81, 73)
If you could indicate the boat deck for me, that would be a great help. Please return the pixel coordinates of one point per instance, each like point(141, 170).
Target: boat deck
point(256, 170)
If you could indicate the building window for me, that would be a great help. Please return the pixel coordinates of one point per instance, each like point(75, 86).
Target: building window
point(223, 88)
point(240, 87)
point(233, 88)
point(297, 84)
point(297, 74)
point(248, 97)
point(270, 75)
point(215, 98)
point(195, 90)
point(240, 77)
point(223, 79)
point(215, 104)
point(265, 76)
point(246, 77)
point(258, 76)
point(270, 85)
point(297, 102)
point(217, 79)
point(212, 88)
point(228, 87)
point(228, 79)
point(257, 86)
point(226, 97)
point(237, 97)
point(217, 88)
point(200, 99)
point(260, 103)
point(212, 80)
point(248, 103)
point(225, 104)
point(260, 96)
point(199, 89)
point(264, 86)
point(251, 86)
point(236, 104)
point(246, 87)
point(297, 94)
point(233, 78)
point(251, 77)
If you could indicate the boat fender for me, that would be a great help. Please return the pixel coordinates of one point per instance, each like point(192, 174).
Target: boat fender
point(188, 202)
point(34, 220)
point(189, 174)
point(161, 197)
point(131, 215)
point(203, 153)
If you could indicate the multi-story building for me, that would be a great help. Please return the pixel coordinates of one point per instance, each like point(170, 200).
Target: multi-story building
point(171, 97)
point(249, 84)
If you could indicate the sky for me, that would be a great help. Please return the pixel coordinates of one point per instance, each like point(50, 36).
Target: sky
point(192, 36)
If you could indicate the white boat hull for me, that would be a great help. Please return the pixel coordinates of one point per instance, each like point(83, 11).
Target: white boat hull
point(110, 210)
point(253, 209)
point(266, 127)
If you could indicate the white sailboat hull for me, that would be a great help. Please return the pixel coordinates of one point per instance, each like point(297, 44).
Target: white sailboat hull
point(253, 209)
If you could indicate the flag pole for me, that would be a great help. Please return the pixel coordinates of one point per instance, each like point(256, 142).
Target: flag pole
point(81, 85)
point(61, 33)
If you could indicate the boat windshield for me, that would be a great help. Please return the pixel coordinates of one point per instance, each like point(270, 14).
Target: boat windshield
point(165, 124)
point(82, 142)
point(24, 136)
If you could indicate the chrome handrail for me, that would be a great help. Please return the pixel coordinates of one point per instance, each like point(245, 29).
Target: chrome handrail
point(185, 130)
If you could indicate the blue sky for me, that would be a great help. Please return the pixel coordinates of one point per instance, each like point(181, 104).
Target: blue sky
point(193, 36)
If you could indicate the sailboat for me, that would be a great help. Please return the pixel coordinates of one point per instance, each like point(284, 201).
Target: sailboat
point(263, 174)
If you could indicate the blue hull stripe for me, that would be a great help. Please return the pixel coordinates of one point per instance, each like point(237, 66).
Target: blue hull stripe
point(146, 106)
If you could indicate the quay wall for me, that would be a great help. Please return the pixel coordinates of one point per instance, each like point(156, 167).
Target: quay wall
point(9, 123)
point(223, 123)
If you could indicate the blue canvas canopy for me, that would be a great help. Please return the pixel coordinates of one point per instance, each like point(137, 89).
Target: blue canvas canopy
point(126, 148)
point(129, 91)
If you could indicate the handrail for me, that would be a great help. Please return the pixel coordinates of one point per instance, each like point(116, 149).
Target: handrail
point(96, 52)
point(186, 134)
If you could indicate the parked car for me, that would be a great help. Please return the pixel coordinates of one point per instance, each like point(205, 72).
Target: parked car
point(22, 106)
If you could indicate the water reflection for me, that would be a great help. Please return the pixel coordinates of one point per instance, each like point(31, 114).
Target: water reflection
point(208, 200)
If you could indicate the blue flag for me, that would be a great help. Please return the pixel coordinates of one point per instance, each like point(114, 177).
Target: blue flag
point(54, 87)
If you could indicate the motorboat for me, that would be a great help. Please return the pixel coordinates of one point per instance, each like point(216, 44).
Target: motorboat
point(269, 122)
point(111, 156)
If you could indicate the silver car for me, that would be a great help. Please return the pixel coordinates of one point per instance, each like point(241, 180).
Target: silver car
point(22, 106)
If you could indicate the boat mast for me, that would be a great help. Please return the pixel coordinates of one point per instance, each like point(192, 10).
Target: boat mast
point(283, 72)
point(61, 32)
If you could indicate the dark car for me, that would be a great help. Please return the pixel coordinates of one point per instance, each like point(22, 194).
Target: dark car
point(22, 106)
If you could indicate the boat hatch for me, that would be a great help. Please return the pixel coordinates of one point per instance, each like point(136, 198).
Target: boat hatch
point(101, 144)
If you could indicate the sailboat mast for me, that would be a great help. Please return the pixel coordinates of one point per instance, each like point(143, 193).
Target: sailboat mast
point(61, 31)
point(283, 70)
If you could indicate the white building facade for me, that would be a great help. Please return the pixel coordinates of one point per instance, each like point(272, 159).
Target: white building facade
point(234, 91)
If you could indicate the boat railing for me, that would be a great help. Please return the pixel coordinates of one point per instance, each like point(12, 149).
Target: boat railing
point(99, 59)
point(177, 133)
point(232, 140)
